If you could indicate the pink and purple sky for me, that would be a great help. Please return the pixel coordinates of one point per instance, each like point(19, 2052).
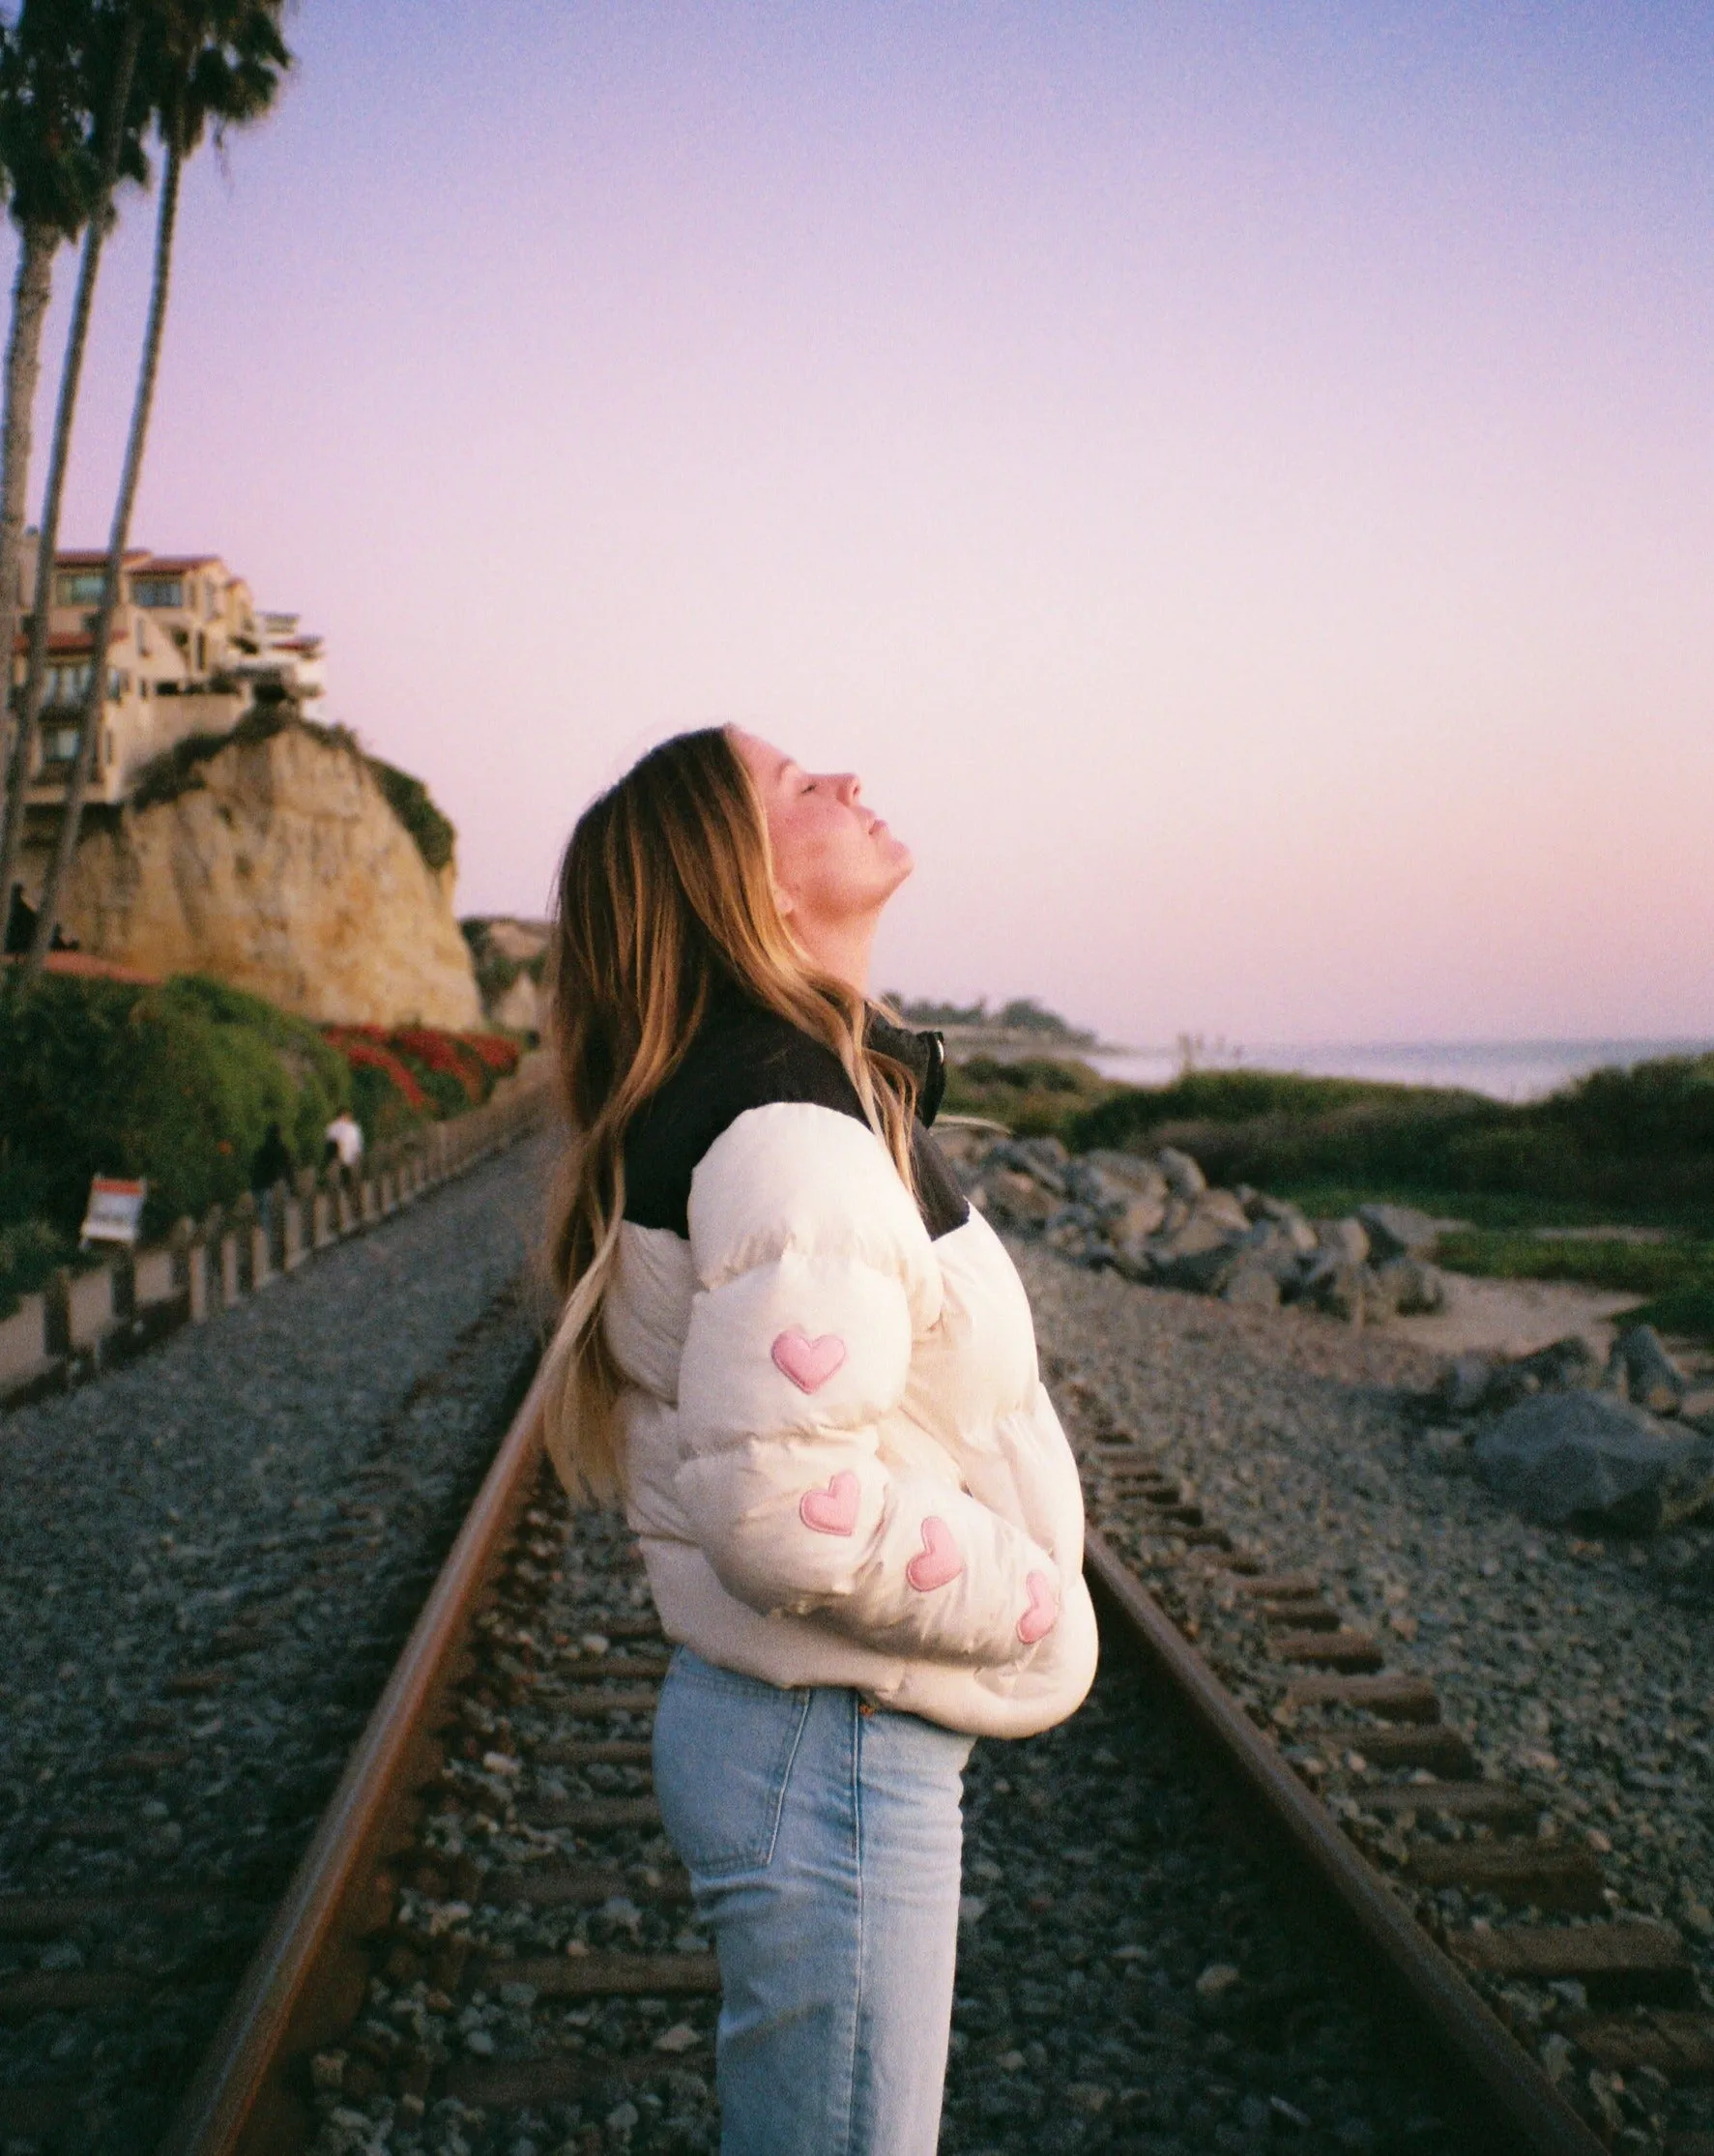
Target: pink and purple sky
point(1238, 483)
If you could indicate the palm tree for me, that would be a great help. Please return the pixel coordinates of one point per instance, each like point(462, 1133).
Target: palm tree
point(209, 66)
point(67, 72)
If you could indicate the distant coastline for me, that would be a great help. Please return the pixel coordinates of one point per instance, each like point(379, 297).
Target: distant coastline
point(1510, 1070)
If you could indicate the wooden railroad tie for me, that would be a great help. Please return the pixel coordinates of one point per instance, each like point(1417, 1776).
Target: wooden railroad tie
point(1507, 1811)
point(1635, 1959)
point(1340, 1650)
point(1557, 1875)
point(1393, 1696)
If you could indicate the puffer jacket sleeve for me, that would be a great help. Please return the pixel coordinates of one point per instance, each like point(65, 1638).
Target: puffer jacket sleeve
point(814, 1273)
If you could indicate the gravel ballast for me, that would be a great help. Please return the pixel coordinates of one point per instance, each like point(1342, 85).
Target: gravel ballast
point(209, 1562)
point(1578, 1667)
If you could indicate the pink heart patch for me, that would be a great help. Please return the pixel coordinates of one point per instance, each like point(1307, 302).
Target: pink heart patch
point(808, 1363)
point(1043, 1613)
point(835, 1509)
point(939, 1561)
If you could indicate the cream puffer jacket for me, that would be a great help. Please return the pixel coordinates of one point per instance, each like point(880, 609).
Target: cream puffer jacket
point(836, 1448)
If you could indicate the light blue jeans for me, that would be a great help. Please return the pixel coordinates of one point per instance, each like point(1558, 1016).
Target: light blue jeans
point(824, 1841)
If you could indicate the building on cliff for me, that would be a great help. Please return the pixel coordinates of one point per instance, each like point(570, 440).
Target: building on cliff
point(226, 832)
point(191, 656)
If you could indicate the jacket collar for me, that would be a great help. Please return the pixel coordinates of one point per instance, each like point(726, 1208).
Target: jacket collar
point(922, 1054)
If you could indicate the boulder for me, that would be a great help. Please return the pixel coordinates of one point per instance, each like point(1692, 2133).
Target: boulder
point(1184, 1178)
point(1568, 1365)
point(1411, 1285)
point(1196, 1235)
point(1199, 1273)
point(1585, 1459)
point(1397, 1231)
point(1338, 1287)
point(1070, 1228)
point(1141, 1218)
point(1015, 1199)
point(1271, 1246)
point(1129, 1171)
point(1640, 1369)
point(1346, 1242)
point(1045, 1158)
point(1222, 1208)
point(1464, 1383)
point(1286, 1216)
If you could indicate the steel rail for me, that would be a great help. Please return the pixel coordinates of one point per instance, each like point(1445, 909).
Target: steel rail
point(1515, 2091)
point(240, 2103)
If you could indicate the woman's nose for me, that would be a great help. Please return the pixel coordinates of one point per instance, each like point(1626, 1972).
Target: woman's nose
point(848, 786)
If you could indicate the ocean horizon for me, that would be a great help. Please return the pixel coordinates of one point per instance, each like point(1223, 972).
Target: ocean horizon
point(1511, 1070)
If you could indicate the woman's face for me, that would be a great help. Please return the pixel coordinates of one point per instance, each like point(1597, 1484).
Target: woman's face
point(833, 859)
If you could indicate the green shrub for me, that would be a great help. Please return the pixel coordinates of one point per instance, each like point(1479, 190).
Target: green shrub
point(1635, 1145)
point(1036, 1096)
point(414, 805)
point(177, 1083)
point(1638, 1269)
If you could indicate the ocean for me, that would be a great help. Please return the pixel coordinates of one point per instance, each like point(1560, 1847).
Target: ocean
point(1503, 1069)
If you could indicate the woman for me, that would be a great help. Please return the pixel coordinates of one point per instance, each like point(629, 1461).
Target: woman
point(809, 1367)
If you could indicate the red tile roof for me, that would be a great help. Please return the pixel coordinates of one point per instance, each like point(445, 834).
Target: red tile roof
point(96, 557)
point(174, 564)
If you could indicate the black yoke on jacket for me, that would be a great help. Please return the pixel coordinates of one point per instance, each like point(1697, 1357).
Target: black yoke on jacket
point(744, 1057)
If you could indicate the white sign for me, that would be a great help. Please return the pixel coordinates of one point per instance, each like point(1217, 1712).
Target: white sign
point(115, 1210)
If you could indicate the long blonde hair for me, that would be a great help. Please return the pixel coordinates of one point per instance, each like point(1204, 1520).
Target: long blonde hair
point(665, 890)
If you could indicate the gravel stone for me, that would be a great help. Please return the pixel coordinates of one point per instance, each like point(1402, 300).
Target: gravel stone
point(207, 1563)
point(1575, 1666)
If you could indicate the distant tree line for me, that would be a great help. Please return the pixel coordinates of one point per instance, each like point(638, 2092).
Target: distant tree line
point(1024, 1014)
point(88, 89)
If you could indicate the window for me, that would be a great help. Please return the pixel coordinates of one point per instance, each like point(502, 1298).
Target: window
point(155, 590)
point(60, 743)
point(78, 587)
point(65, 685)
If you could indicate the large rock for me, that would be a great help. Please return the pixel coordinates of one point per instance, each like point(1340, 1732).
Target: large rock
point(1586, 1459)
point(1045, 1158)
point(1199, 1273)
point(1270, 1249)
point(1200, 1233)
point(1184, 1178)
point(1284, 1214)
point(1343, 1242)
point(1017, 1200)
point(1568, 1365)
point(1127, 1194)
point(1641, 1369)
point(1397, 1232)
point(281, 868)
point(1223, 1209)
point(1410, 1286)
point(1253, 1285)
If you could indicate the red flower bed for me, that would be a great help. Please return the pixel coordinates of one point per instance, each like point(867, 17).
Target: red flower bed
point(446, 1054)
point(362, 1048)
point(493, 1049)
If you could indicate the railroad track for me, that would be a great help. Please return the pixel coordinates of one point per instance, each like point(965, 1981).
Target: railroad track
point(1493, 1913)
point(490, 1921)
point(176, 1707)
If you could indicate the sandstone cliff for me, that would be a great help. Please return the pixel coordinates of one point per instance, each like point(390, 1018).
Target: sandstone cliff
point(509, 955)
point(278, 864)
